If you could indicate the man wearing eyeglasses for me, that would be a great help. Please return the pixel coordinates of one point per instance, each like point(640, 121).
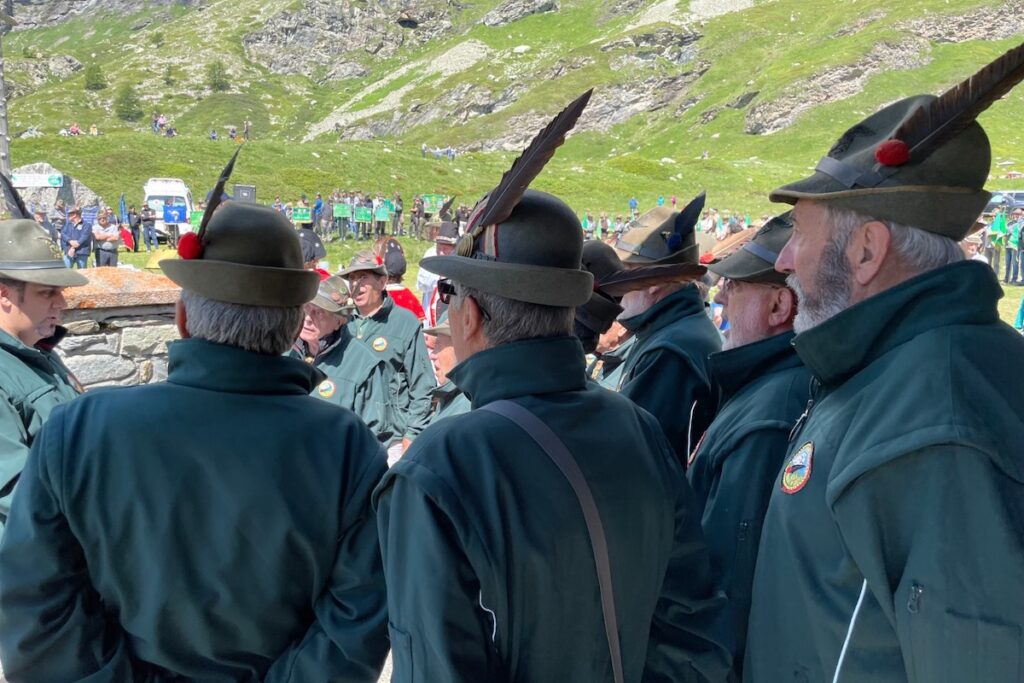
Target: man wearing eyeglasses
point(762, 387)
point(491, 575)
point(394, 335)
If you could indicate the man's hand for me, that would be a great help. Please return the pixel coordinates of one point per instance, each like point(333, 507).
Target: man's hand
point(405, 444)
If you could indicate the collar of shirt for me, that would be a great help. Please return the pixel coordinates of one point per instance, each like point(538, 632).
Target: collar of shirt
point(964, 293)
point(523, 368)
point(219, 367)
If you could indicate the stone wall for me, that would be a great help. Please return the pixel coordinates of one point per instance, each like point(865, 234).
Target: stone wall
point(119, 325)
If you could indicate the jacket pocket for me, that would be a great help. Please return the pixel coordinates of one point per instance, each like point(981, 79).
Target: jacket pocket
point(955, 647)
point(401, 655)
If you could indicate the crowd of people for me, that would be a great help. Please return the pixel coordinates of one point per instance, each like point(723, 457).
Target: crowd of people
point(550, 465)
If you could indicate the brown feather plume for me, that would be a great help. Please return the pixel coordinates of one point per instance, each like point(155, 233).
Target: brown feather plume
point(503, 199)
point(218, 192)
point(15, 205)
point(931, 126)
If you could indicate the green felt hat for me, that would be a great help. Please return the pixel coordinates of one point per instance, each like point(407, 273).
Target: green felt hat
point(333, 296)
point(249, 255)
point(532, 256)
point(27, 254)
point(442, 327)
point(663, 236)
point(755, 260)
point(941, 192)
point(364, 260)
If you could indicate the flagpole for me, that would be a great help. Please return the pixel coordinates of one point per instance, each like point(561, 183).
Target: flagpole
point(6, 22)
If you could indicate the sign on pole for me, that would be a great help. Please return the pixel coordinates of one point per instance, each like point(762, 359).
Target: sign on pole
point(432, 203)
point(342, 210)
point(382, 213)
point(37, 179)
point(364, 214)
point(302, 214)
point(175, 213)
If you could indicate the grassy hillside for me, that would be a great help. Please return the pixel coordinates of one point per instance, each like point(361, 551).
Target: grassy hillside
point(772, 49)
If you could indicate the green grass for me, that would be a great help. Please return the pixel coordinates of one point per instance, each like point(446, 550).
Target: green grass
point(770, 48)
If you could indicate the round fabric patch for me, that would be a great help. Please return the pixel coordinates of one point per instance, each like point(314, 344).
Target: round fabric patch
point(326, 388)
point(380, 344)
point(798, 469)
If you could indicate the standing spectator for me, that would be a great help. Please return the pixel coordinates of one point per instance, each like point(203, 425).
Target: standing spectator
point(588, 229)
point(247, 130)
point(105, 236)
point(76, 240)
point(1012, 274)
point(633, 208)
point(661, 200)
point(318, 211)
point(134, 224)
point(423, 150)
point(58, 217)
point(673, 202)
point(278, 206)
point(154, 123)
point(148, 219)
point(44, 222)
point(996, 238)
point(396, 219)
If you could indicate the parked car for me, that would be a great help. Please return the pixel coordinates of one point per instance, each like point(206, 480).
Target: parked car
point(1013, 199)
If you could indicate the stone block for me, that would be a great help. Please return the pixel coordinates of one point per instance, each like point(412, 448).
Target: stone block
point(92, 343)
point(83, 327)
point(159, 369)
point(121, 287)
point(147, 340)
point(97, 368)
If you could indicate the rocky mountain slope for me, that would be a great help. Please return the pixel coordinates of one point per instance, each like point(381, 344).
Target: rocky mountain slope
point(737, 90)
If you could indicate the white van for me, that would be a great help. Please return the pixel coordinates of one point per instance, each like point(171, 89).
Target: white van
point(160, 192)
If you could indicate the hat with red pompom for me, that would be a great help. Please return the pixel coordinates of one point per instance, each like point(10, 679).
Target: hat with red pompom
point(242, 254)
point(921, 161)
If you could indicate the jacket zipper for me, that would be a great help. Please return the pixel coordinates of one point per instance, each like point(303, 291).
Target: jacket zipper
point(815, 385)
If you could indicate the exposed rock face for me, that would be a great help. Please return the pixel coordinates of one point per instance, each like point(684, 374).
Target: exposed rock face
point(36, 13)
point(28, 74)
point(983, 23)
point(329, 41)
point(676, 46)
point(514, 10)
point(836, 84)
point(72, 193)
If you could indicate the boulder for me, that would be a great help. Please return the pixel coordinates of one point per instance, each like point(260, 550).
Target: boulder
point(514, 10)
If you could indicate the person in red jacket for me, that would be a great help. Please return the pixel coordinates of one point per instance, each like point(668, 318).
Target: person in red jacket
point(394, 263)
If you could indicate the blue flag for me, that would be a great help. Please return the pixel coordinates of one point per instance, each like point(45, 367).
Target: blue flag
point(124, 210)
point(177, 213)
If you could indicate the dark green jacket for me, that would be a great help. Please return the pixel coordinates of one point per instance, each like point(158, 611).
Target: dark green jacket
point(761, 389)
point(394, 334)
point(448, 400)
point(906, 482)
point(667, 371)
point(355, 379)
point(607, 369)
point(33, 381)
point(490, 572)
point(230, 539)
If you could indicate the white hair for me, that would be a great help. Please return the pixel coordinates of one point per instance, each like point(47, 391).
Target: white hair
point(512, 320)
point(262, 329)
point(917, 249)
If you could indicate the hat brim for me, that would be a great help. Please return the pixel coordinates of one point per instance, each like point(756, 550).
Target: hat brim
point(641, 277)
point(744, 266)
point(947, 211)
point(330, 305)
point(445, 329)
point(379, 270)
point(531, 284)
point(238, 283)
point(49, 277)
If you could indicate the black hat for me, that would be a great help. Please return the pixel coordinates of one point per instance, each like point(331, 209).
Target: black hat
point(394, 263)
point(613, 278)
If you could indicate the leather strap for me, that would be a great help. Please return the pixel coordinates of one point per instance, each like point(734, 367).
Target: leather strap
point(563, 459)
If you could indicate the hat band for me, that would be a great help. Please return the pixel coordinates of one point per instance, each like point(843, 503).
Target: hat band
point(763, 253)
point(850, 176)
point(637, 249)
point(31, 265)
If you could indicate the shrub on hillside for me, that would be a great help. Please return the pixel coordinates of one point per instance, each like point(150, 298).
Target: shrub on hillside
point(127, 106)
point(94, 78)
point(217, 77)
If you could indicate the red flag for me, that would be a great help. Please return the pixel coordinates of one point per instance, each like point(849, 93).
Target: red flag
point(127, 239)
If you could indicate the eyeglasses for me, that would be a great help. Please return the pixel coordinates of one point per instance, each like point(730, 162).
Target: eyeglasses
point(446, 290)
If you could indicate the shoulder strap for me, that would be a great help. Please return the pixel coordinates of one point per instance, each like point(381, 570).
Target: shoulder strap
point(563, 459)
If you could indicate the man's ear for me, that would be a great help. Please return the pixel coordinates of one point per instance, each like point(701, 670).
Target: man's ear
point(472, 318)
point(181, 320)
point(783, 307)
point(868, 250)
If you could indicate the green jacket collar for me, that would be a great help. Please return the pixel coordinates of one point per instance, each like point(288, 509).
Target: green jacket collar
point(15, 346)
point(964, 293)
point(736, 368)
point(523, 368)
point(325, 346)
point(671, 309)
point(218, 367)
